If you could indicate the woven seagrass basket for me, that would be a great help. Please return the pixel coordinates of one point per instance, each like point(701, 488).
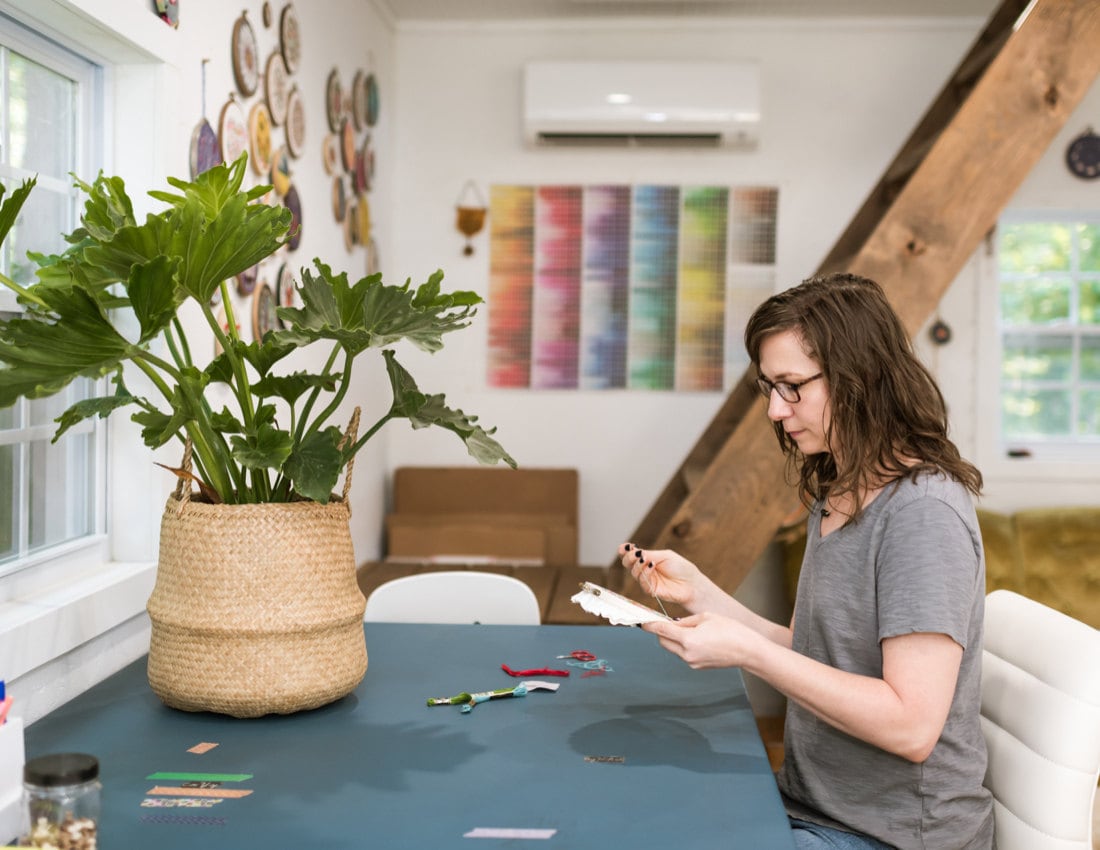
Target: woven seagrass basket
point(256, 609)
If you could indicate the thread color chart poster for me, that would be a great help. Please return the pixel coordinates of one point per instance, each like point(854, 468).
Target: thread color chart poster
point(643, 287)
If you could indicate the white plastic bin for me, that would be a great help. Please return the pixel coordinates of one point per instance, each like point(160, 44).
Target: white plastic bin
point(12, 758)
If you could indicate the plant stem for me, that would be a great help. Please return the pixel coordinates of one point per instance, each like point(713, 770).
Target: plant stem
point(22, 292)
point(182, 356)
point(199, 431)
point(185, 349)
point(337, 398)
point(370, 433)
point(259, 488)
point(303, 420)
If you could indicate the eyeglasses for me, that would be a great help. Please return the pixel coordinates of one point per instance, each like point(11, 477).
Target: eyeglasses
point(787, 391)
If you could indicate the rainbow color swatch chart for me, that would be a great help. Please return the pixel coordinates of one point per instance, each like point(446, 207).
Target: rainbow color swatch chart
point(640, 287)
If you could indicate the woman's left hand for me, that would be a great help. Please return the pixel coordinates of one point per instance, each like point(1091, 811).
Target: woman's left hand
point(706, 640)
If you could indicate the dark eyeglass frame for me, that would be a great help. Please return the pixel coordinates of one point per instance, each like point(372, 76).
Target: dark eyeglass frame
point(788, 391)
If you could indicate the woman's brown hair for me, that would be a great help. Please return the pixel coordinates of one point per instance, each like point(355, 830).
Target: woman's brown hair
point(888, 415)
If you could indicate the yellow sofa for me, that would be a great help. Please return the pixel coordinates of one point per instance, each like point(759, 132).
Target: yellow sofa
point(1051, 555)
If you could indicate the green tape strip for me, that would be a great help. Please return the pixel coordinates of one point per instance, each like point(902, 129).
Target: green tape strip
point(202, 777)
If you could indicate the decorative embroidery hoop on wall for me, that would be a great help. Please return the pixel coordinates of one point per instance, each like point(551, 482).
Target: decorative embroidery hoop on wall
point(276, 87)
point(259, 132)
point(290, 39)
point(246, 59)
point(232, 130)
point(295, 123)
point(334, 100)
point(205, 148)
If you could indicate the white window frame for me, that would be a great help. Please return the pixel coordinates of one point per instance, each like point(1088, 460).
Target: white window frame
point(90, 548)
point(68, 622)
point(1071, 461)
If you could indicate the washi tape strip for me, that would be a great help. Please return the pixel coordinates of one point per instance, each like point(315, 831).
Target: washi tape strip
point(190, 820)
point(494, 832)
point(173, 791)
point(179, 803)
point(203, 747)
point(201, 777)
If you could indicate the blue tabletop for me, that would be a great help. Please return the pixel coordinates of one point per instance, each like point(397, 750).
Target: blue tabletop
point(650, 754)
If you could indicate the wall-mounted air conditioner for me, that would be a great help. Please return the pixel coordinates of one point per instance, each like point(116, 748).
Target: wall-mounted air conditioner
point(715, 104)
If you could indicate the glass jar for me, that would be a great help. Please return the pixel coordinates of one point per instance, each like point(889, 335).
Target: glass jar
point(61, 795)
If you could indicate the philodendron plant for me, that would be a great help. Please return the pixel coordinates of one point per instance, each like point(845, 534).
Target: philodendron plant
point(275, 441)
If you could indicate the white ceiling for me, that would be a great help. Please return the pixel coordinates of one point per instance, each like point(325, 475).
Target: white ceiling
point(404, 11)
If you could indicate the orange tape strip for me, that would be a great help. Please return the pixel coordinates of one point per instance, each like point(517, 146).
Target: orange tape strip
point(175, 791)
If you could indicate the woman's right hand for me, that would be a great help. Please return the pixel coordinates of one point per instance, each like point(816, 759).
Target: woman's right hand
point(662, 573)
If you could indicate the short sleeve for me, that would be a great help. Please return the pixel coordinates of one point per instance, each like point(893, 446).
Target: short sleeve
point(927, 567)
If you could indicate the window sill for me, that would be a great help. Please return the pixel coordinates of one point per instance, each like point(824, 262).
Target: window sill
point(40, 627)
point(1047, 466)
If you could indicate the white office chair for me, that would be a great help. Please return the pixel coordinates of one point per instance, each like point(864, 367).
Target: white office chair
point(1041, 720)
point(459, 596)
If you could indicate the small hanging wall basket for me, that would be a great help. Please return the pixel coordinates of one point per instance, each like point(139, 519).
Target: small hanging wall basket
point(470, 213)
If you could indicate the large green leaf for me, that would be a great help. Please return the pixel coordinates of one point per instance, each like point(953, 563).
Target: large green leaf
point(215, 231)
point(158, 428)
point(107, 209)
point(41, 355)
point(291, 387)
point(224, 422)
point(234, 240)
point(267, 447)
point(213, 188)
point(264, 355)
point(101, 407)
point(9, 209)
point(152, 291)
point(314, 465)
point(111, 261)
point(423, 411)
point(371, 314)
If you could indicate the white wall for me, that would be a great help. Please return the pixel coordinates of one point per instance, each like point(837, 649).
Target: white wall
point(839, 98)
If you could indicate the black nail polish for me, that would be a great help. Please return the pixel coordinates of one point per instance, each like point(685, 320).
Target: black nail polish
point(628, 546)
point(638, 554)
point(649, 566)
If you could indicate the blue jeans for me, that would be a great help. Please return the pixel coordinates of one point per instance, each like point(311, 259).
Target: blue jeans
point(810, 836)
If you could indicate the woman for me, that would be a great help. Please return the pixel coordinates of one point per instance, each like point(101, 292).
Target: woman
point(881, 664)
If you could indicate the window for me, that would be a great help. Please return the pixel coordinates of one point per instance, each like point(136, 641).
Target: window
point(50, 494)
point(1049, 311)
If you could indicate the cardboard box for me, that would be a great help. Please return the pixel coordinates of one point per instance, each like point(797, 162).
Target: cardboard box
point(483, 514)
point(424, 539)
point(533, 539)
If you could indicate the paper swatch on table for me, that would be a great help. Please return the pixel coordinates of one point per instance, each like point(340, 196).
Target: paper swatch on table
point(498, 832)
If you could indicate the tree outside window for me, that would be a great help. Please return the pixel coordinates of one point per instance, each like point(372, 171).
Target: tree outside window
point(1050, 331)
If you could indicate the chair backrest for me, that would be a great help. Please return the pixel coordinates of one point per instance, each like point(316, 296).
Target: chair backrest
point(1041, 720)
point(458, 596)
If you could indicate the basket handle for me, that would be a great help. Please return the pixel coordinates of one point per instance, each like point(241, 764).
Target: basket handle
point(183, 482)
point(349, 437)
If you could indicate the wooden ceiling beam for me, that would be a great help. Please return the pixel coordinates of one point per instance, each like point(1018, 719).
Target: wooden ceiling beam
point(913, 235)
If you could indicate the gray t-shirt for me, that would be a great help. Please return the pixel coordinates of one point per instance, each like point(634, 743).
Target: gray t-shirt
point(912, 563)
